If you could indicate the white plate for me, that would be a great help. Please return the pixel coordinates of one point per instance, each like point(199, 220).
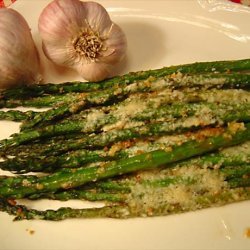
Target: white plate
point(159, 33)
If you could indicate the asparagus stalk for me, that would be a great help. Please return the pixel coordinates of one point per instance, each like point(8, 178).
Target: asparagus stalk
point(84, 100)
point(219, 97)
point(218, 113)
point(193, 68)
point(79, 194)
point(238, 98)
point(205, 81)
point(198, 192)
point(53, 163)
point(154, 180)
point(150, 109)
point(77, 103)
point(16, 115)
point(29, 92)
point(110, 137)
point(99, 140)
point(202, 81)
point(122, 211)
point(240, 182)
point(35, 148)
point(147, 100)
point(231, 156)
point(31, 186)
point(21, 212)
point(232, 162)
point(81, 101)
point(68, 179)
point(240, 171)
point(38, 102)
point(117, 189)
point(78, 158)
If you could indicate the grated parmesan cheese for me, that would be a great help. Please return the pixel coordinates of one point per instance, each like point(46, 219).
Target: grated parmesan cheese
point(147, 201)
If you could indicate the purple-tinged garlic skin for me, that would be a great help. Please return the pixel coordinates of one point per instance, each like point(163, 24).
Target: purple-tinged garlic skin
point(19, 59)
point(81, 36)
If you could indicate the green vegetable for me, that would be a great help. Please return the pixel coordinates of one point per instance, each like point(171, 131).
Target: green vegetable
point(16, 115)
point(193, 68)
point(218, 113)
point(153, 194)
point(148, 143)
point(69, 179)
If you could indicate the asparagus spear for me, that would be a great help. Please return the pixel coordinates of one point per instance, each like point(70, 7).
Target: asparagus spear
point(203, 81)
point(240, 182)
point(53, 163)
point(146, 100)
point(90, 195)
point(154, 179)
point(150, 198)
point(113, 136)
point(21, 212)
point(77, 143)
point(37, 147)
point(38, 102)
point(241, 113)
point(97, 98)
point(232, 161)
point(40, 90)
point(200, 67)
point(16, 115)
point(99, 140)
point(93, 120)
point(78, 158)
point(233, 172)
point(121, 211)
point(80, 102)
point(235, 176)
point(68, 179)
point(234, 97)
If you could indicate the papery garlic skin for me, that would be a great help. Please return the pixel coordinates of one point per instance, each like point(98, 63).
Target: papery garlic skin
point(81, 36)
point(19, 59)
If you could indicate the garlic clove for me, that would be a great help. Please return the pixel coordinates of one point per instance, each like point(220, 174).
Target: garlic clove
point(59, 55)
point(81, 36)
point(97, 17)
point(94, 72)
point(19, 59)
point(116, 44)
point(58, 22)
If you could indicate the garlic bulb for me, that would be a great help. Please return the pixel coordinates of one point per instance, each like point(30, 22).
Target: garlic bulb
point(81, 36)
point(19, 60)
